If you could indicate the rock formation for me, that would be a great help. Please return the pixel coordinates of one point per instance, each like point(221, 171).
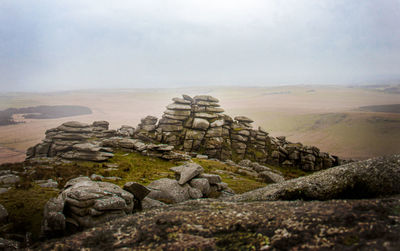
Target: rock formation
point(84, 203)
point(75, 140)
point(195, 125)
point(253, 221)
point(362, 179)
point(198, 125)
point(371, 224)
point(191, 183)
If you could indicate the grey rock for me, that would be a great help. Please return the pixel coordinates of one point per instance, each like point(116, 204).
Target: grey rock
point(189, 171)
point(50, 183)
point(244, 119)
point(187, 97)
point(205, 98)
point(85, 203)
point(212, 178)
point(202, 184)
point(181, 101)
point(205, 115)
point(89, 156)
point(148, 203)
point(96, 177)
point(138, 190)
point(179, 107)
point(168, 190)
point(75, 124)
point(214, 109)
point(217, 123)
point(195, 193)
point(369, 178)
point(9, 179)
point(185, 113)
point(271, 177)
point(103, 124)
point(201, 124)
point(201, 156)
point(194, 134)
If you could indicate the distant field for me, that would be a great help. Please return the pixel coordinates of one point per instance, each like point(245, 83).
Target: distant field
point(326, 116)
point(382, 108)
point(42, 112)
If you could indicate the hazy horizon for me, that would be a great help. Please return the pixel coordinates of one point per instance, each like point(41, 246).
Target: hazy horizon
point(52, 46)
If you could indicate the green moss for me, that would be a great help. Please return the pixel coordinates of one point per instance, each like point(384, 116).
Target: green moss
point(25, 208)
point(291, 172)
point(139, 168)
point(351, 240)
point(241, 241)
point(239, 183)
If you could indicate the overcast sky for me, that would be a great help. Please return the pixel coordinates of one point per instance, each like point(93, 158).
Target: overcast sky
point(48, 45)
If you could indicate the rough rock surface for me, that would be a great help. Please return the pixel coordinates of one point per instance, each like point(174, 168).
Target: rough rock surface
point(362, 179)
point(197, 125)
point(84, 203)
point(194, 125)
point(190, 183)
point(268, 225)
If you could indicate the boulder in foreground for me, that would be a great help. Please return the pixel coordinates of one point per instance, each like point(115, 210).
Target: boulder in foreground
point(269, 225)
point(362, 179)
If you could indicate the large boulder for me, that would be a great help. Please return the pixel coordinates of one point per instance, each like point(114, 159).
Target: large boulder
point(168, 190)
point(207, 224)
point(363, 179)
point(187, 171)
point(84, 203)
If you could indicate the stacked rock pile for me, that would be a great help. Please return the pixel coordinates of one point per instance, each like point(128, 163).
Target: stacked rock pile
point(198, 125)
point(194, 125)
point(190, 183)
point(170, 125)
point(71, 141)
point(163, 151)
point(78, 141)
point(84, 203)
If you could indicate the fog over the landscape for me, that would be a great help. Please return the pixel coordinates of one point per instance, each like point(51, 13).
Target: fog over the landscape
point(73, 44)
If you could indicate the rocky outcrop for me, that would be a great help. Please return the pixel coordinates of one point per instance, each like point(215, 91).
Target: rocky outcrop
point(190, 183)
point(363, 179)
point(194, 125)
point(197, 125)
point(372, 224)
point(84, 203)
point(78, 141)
point(75, 140)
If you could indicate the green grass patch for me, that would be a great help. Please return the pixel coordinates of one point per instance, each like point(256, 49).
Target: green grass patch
point(25, 208)
point(139, 168)
point(237, 182)
point(290, 172)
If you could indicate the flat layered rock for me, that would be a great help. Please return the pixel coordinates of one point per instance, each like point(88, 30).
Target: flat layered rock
point(181, 101)
point(199, 123)
point(205, 98)
point(75, 124)
point(85, 203)
point(244, 119)
point(179, 107)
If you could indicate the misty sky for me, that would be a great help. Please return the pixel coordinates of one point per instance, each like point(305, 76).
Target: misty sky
point(48, 45)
